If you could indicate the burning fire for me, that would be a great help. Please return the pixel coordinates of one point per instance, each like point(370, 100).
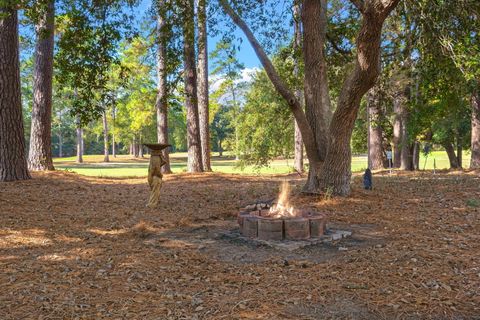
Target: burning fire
point(283, 208)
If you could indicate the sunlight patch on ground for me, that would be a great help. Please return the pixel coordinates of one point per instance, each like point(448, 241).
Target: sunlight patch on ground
point(31, 237)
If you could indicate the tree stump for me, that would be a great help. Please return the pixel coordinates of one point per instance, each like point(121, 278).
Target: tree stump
point(154, 172)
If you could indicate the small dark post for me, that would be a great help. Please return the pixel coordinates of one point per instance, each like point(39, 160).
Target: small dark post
point(367, 179)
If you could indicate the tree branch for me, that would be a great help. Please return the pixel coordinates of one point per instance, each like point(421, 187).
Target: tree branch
point(337, 48)
point(278, 83)
point(358, 4)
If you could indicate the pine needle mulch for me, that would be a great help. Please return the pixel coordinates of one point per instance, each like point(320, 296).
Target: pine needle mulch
point(73, 247)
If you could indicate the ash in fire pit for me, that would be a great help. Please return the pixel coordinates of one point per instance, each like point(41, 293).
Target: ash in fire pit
point(280, 220)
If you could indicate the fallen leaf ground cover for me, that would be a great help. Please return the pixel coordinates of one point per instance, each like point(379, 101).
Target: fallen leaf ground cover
point(76, 247)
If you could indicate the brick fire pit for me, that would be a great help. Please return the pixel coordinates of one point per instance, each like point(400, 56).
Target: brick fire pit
point(257, 221)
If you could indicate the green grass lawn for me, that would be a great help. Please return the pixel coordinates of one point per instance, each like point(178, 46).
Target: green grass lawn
point(126, 166)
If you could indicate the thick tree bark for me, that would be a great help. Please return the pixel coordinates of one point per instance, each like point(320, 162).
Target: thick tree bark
point(475, 140)
point(317, 98)
point(161, 104)
point(298, 142)
point(203, 84)
point(106, 157)
point(336, 172)
point(79, 143)
point(194, 162)
point(40, 151)
point(452, 158)
point(375, 131)
point(13, 161)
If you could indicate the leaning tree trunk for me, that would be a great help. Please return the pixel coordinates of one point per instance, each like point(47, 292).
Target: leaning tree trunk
point(106, 157)
point(279, 85)
point(375, 131)
point(194, 162)
point(336, 171)
point(203, 84)
point(475, 142)
point(317, 99)
point(298, 142)
point(452, 158)
point(161, 104)
point(40, 153)
point(13, 162)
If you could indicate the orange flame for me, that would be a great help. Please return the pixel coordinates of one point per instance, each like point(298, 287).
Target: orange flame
point(282, 208)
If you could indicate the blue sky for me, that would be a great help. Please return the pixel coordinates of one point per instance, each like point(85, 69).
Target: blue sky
point(246, 55)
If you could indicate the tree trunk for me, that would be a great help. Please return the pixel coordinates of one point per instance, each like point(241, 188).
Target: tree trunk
point(60, 145)
point(452, 158)
point(140, 147)
point(13, 162)
point(194, 163)
point(83, 142)
point(298, 142)
point(406, 162)
point(114, 148)
point(135, 147)
point(203, 84)
point(298, 154)
point(475, 140)
point(79, 143)
point(375, 131)
point(317, 99)
point(336, 172)
point(105, 137)
point(416, 156)
point(459, 152)
point(40, 152)
point(397, 130)
point(220, 149)
point(161, 104)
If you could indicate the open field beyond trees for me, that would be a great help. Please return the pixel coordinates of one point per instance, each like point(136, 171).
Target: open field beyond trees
point(77, 247)
point(127, 166)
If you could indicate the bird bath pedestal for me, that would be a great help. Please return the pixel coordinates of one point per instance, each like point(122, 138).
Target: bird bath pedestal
point(154, 172)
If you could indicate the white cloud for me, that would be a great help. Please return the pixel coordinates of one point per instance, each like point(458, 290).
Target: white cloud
point(247, 75)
